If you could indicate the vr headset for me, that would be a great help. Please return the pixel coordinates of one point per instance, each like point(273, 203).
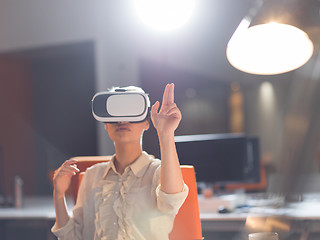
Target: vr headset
point(120, 106)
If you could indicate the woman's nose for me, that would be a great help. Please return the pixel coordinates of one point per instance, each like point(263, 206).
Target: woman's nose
point(123, 122)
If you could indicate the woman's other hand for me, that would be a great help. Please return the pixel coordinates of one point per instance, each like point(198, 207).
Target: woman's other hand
point(62, 177)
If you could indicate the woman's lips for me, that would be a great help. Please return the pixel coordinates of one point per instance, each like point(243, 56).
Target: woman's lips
point(123, 128)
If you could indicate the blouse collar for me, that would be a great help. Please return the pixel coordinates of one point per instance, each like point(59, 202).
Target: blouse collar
point(138, 167)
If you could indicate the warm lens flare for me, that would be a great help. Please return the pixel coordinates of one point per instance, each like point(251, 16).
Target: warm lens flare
point(164, 15)
point(271, 48)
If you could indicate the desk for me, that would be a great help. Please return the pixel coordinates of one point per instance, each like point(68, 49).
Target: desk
point(302, 218)
point(36, 212)
point(33, 208)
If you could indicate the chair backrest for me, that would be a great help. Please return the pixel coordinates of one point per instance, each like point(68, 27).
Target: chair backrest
point(187, 224)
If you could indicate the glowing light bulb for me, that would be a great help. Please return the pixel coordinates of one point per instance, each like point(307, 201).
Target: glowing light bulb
point(164, 15)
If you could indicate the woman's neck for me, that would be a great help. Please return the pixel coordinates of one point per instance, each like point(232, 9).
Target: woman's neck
point(125, 155)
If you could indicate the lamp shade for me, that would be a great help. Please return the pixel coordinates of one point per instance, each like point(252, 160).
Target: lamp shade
point(270, 43)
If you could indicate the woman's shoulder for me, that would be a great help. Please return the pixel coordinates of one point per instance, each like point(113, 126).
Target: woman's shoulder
point(98, 168)
point(154, 162)
point(151, 157)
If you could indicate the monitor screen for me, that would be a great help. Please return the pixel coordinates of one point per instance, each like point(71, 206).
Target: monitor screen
point(217, 158)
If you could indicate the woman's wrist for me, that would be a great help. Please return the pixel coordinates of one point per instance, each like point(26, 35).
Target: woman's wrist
point(165, 134)
point(58, 195)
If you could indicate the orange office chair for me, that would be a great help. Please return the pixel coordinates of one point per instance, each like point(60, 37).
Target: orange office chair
point(187, 224)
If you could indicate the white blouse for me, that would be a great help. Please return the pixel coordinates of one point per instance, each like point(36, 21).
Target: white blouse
point(131, 206)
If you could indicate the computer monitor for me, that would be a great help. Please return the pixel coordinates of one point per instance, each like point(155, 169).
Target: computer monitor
point(220, 158)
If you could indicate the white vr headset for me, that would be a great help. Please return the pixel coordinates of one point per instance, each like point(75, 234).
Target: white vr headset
point(120, 106)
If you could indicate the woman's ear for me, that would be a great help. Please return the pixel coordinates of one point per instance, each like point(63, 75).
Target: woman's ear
point(106, 126)
point(147, 125)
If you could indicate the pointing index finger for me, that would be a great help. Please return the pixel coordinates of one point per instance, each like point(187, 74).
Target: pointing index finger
point(165, 95)
point(171, 94)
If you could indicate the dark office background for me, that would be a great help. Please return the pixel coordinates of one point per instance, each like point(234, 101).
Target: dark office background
point(45, 112)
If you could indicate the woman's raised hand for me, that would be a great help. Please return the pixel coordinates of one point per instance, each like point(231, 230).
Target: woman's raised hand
point(168, 118)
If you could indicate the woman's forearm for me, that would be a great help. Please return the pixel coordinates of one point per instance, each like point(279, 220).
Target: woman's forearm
point(60, 205)
point(171, 178)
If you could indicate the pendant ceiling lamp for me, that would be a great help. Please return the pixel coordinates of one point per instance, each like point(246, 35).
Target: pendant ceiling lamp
point(271, 39)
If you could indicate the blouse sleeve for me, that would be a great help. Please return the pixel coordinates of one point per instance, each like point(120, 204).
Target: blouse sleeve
point(73, 228)
point(169, 203)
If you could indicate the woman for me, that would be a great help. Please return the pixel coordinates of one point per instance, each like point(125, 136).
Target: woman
point(134, 196)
